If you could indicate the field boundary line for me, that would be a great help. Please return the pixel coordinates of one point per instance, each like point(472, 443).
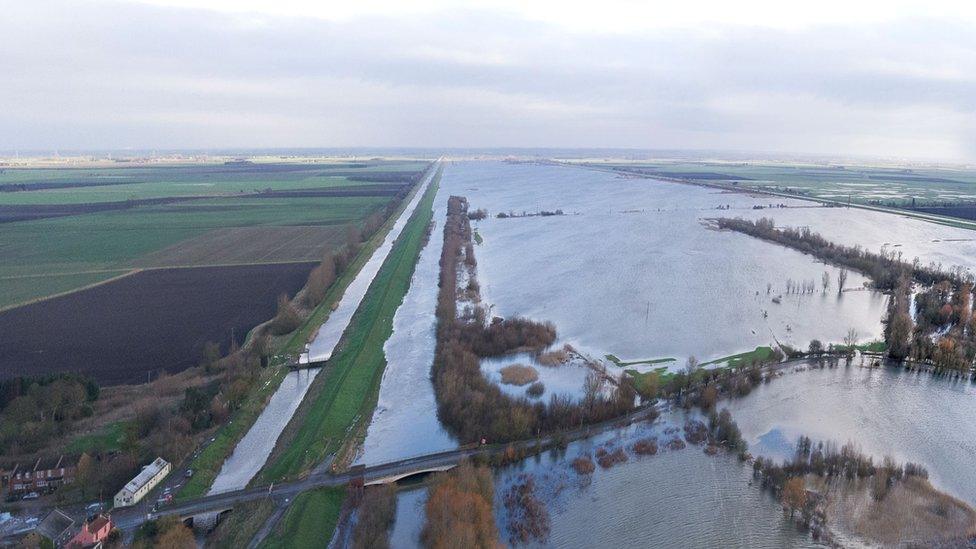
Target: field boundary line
point(73, 290)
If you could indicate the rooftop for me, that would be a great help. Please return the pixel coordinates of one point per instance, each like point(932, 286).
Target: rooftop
point(148, 472)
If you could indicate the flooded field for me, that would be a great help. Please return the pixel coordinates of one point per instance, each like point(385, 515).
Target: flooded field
point(678, 498)
point(908, 416)
point(632, 270)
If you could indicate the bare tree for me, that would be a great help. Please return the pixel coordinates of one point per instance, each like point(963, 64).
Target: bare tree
point(825, 281)
point(841, 280)
point(850, 340)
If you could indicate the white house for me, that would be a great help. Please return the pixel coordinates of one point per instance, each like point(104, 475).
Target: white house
point(146, 480)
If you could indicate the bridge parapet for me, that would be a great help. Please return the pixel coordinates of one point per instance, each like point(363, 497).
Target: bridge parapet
point(409, 473)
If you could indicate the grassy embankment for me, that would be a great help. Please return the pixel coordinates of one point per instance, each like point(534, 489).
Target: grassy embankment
point(310, 520)
point(236, 530)
point(211, 459)
point(341, 400)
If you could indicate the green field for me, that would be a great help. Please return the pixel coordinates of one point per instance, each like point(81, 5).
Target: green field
point(191, 180)
point(343, 396)
point(742, 359)
point(310, 520)
point(613, 358)
point(78, 250)
point(108, 440)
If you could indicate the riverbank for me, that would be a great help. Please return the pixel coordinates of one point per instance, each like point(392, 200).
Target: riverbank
point(340, 402)
point(209, 462)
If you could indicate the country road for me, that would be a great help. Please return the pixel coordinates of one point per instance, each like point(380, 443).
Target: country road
point(128, 519)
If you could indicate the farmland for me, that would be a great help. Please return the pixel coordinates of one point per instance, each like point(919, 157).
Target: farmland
point(83, 225)
point(872, 185)
point(151, 320)
point(120, 271)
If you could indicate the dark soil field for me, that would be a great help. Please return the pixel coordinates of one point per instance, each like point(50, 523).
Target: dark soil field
point(27, 212)
point(151, 321)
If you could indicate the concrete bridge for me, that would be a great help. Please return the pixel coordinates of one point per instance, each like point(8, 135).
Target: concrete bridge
point(410, 473)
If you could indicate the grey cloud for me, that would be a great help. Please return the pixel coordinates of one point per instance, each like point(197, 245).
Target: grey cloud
point(116, 74)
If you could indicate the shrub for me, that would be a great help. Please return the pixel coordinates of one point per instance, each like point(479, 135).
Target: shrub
point(518, 374)
point(695, 431)
point(287, 319)
point(553, 358)
point(536, 389)
point(608, 459)
point(645, 447)
point(583, 465)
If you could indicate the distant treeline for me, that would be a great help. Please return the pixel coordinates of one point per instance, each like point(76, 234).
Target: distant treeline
point(886, 269)
point(470, 405)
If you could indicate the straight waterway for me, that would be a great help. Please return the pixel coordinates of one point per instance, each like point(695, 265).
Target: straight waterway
point(253, 450)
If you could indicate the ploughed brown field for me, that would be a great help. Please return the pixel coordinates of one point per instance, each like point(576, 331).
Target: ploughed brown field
point(150, 321)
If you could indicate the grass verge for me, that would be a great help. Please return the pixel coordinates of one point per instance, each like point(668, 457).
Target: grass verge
point(342, 398)
point(310, 520)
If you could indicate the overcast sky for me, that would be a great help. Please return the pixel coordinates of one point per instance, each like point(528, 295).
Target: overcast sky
point(894, 79)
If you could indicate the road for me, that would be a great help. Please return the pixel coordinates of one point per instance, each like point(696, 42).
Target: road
point(128, 519)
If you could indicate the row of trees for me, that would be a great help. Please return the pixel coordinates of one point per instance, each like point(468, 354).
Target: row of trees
point(942, 333)
point(885, 268)
point(291, 312)
point(469, 404)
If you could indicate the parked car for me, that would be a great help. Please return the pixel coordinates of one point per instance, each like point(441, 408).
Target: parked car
point(32, 495)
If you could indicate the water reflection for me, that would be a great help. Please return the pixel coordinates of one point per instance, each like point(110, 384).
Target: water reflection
point(909, 416)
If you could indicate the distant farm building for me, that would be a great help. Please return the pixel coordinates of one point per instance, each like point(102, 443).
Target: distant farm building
point(146, 480)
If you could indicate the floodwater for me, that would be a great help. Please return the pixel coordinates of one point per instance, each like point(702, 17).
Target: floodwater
point(328, 335)
point(909, 416)
point(678, 498)
point(929, 242)
point(254, 448)
point(409, 521)
point(405, 421)
point(633, 271)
